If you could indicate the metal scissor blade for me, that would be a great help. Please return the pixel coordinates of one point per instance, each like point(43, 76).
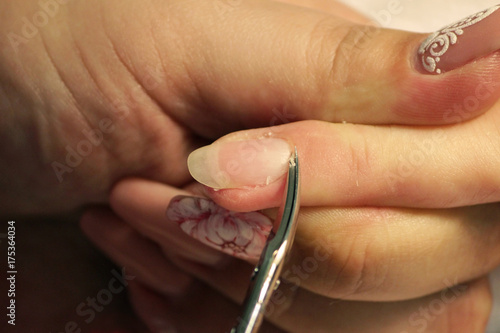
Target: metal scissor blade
point(265, 278)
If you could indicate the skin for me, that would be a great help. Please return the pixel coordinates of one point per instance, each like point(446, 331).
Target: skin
point(159, 93)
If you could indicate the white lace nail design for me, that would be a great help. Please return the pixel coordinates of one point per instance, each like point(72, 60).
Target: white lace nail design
point(439, 42)
point(241, 235)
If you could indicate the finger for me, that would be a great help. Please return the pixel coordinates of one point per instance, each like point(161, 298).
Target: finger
point(375, 254)
point(392, 254)
point(355, 165)
point(291, 307)
point(323, 68)
point(146, 213)
point(332, 7)
point(138, 255)
point(364, 253)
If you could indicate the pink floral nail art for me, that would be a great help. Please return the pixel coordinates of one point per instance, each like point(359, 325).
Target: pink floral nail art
point(242, 235)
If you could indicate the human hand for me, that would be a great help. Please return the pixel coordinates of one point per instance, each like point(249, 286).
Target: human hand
point(398, 315)
point(410, 254)
point(93, 91)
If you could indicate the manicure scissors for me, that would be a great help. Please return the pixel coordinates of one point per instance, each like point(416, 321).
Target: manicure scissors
point(265, 278)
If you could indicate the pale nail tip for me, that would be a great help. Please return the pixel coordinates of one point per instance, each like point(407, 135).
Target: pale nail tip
point(266, 167)
point(198, 166)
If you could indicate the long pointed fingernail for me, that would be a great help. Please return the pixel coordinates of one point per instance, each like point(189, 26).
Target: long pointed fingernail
point(242, 235)
point(460, 43)
point(236, 164)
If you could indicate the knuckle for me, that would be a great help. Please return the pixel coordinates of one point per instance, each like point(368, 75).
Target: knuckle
point(354, 43)
point(326, 59)
point(361, 157)
point(334, 52)
point(360, 271)
point(340, 263)
point(354, 268)
point(337, 44)
point(324, 42)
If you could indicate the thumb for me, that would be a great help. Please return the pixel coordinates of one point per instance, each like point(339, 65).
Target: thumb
point(261, 63)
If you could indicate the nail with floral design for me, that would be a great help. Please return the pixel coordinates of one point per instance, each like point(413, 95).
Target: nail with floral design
point(460, 43)
point(242, 235)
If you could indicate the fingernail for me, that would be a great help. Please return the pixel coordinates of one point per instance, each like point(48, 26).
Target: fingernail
point(460, 43)
point(236, 164)
point(241, 235)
